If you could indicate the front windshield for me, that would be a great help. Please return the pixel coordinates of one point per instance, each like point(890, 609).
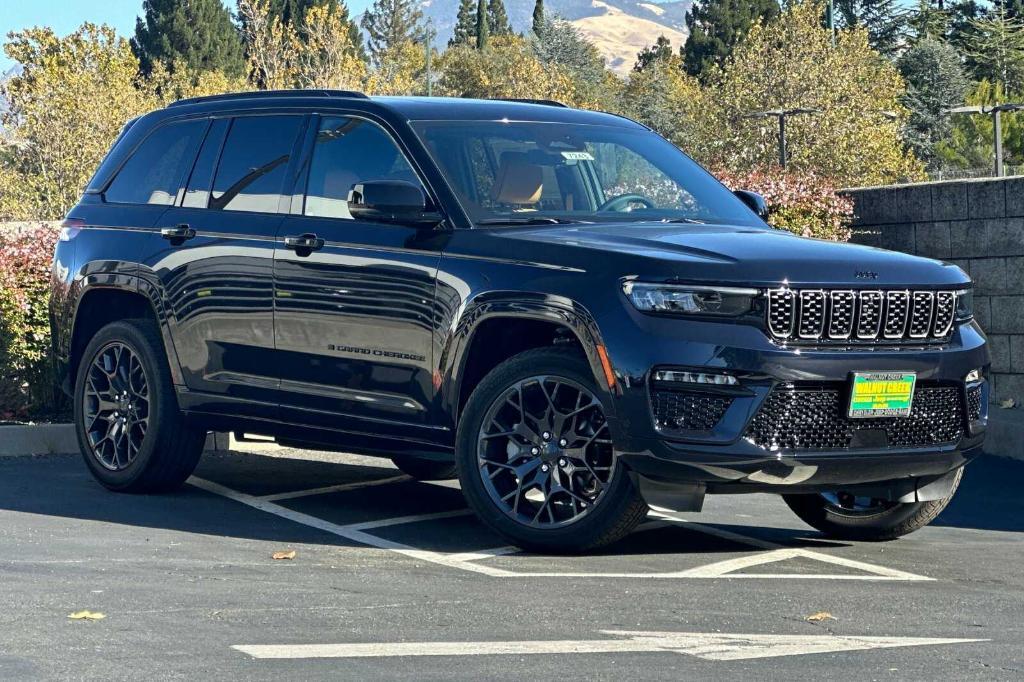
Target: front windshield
point(510, 173)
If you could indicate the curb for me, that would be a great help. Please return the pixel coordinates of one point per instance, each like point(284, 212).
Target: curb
point(59, 439)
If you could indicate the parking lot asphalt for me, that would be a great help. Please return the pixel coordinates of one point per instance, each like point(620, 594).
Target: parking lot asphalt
point(393, 578)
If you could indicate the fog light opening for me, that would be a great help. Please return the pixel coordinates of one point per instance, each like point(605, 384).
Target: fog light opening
point(972, 376)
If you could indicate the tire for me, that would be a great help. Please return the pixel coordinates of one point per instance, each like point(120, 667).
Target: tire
point(167, 449)
point(590, 500)
point(886, 522)
point(425, 469)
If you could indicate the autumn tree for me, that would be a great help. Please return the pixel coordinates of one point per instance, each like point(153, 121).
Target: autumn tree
point(508, 68)
point(66, 106)
point(400, 71)
point(198, 34)
point(791, 62)
point(325, 56)
point(270, 45)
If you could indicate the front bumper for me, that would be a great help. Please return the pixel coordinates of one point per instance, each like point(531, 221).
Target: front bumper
point(724, 458)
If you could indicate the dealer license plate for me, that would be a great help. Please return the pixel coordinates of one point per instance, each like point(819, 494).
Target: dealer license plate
point(882, 394)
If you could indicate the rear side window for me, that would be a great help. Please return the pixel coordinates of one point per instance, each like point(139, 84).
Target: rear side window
point(349, 151)
point(197, 194)
point(154, 172)
point(252, 167)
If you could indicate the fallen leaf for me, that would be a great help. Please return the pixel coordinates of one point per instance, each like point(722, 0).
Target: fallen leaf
point(290, 554)
point(1008, 404)
point(86, 615)
point(820, 616)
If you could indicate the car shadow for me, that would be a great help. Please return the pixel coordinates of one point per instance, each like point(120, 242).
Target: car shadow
point(60, 486)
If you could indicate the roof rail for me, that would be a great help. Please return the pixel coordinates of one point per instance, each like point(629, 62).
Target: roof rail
point(525, 100)
point(283, 94)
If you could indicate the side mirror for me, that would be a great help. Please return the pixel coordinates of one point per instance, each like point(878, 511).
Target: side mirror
point(754, 201)
point(391, 201)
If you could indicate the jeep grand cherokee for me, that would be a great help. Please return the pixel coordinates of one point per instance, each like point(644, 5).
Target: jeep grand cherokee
point(557, 306)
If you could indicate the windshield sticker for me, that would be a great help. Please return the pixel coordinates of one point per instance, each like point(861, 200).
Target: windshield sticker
point(578, 156)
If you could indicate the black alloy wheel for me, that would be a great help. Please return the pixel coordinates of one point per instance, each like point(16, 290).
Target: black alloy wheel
point(544, 452)
point(116, 414)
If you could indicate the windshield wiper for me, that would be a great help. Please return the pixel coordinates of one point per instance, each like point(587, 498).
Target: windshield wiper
point(535, 220)
point(688, 221)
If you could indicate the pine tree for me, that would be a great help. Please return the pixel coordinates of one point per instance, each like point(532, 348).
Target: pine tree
point(995, 50)
point(482, 30)
point(884, 21)
point(1013, 9)
point(199, 34)
point(716, 26)
point(538, 17)
point(465, 24)
point(935, 81)
point(928, 21)
point(497, 19)
point(659, 53)
point(390, 23)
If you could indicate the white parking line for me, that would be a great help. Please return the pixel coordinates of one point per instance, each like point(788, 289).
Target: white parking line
point(470, 560)
point(706, 645)
point(334, 488)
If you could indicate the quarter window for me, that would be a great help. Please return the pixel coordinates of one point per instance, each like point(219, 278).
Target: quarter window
point(154, 173)
point(253, 165)
point(349, 151)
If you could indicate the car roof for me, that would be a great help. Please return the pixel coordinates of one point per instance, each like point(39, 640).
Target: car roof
point(408, 108)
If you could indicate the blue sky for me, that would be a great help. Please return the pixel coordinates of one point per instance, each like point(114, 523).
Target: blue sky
point(64, 16)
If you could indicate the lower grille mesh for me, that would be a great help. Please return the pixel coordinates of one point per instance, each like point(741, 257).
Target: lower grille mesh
point(815, 419)
point(688, 410)
point(974, 403)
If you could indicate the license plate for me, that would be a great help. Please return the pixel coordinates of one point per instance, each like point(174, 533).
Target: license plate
point(882, 394)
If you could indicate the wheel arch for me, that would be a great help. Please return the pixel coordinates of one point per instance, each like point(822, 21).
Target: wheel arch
point(100, 302)
point(496, 327)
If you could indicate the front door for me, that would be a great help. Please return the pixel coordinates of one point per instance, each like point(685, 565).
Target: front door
point(354, 299)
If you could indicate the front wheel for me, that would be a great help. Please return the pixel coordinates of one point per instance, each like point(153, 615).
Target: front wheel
point(846, 516)
point(535, 456)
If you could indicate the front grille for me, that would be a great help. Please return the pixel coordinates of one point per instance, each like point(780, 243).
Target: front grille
point(974, 403)
point(688, 410)
point(811, 315)
point(794, 418)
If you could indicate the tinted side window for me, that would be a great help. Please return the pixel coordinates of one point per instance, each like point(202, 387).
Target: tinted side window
point(154, 172)
point(252, 168)
point(349, 151)
point(198, 192)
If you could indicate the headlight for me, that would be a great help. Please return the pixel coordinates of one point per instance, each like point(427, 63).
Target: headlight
point(964, 305)
point(689, 300)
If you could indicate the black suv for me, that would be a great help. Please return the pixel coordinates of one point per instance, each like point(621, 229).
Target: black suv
point(557, 306)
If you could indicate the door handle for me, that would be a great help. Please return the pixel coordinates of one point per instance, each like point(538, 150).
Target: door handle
point(304, 244)
point(178, 233)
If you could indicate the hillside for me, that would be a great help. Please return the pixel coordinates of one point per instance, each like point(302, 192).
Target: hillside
point(619, 28)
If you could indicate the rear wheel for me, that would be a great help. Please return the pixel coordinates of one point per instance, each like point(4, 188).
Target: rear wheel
point(847, 516)
point(535, 456)
point(130, 431)
point(425, 469)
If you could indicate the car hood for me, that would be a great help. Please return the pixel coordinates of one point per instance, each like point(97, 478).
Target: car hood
point(744, 255)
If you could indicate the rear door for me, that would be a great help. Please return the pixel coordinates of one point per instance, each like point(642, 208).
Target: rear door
point(354, 320)
point(214, 262)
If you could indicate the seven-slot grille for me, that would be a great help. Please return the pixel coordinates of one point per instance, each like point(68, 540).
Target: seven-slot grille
point(821, 314)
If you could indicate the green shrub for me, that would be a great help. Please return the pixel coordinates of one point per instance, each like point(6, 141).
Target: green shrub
point(26, 369)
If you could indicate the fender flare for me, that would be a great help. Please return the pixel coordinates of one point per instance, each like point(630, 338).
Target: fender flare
point(559, 310)
point(131, 283)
